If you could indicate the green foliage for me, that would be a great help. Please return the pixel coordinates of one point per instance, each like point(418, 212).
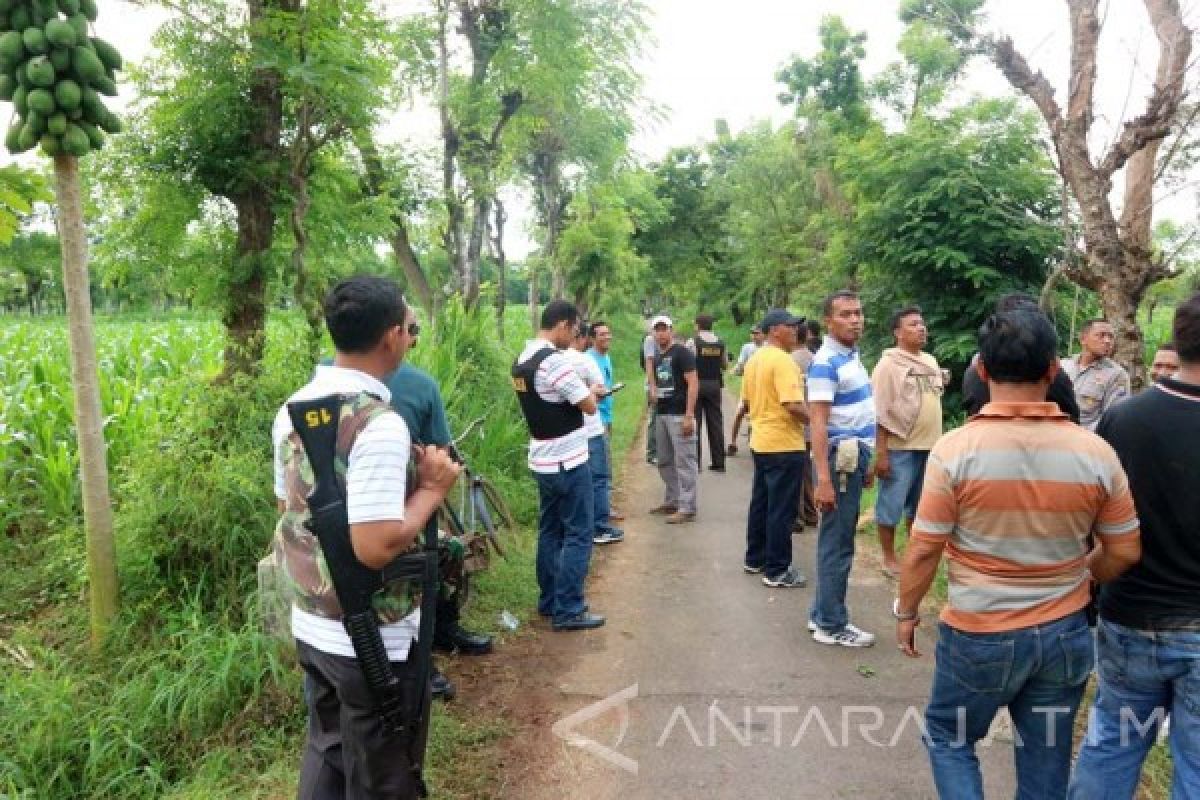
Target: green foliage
point(831, 81)
point(949, 215)
point(19, 190)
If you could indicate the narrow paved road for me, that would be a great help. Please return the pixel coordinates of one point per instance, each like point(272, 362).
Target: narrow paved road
point(721, 692)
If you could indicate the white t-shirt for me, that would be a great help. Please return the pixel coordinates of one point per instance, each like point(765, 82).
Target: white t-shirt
point(556, 381)
point(376, 472)
point(589, 372)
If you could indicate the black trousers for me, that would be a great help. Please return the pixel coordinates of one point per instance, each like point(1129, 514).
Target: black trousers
point(710, 416)
point(348, 755)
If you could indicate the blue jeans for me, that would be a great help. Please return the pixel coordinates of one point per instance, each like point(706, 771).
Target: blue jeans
point(564, 545)
point(899, 492)
point(835, 546)
point(774, 503)
point(1144, 675)
point(601, 481)
point(1038, 673)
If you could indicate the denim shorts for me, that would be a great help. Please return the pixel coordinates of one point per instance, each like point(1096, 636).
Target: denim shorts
point(900, 492)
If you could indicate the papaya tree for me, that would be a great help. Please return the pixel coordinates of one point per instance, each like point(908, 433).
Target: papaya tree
point(54, 72)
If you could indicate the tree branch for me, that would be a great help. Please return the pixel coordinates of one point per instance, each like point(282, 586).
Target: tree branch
point(1085, 31)
point(1022, 77)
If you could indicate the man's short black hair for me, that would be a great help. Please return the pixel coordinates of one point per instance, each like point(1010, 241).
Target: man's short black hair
point(1091, 323)
point(1015, 300)
point(840, 294)
point(596, 326)
point(814, 327)
point(360, 310)
point(557, 311)
point(1018, 346)
point(1186, 330)
point(1168, 346)
point(704, 322)
point(907, 311)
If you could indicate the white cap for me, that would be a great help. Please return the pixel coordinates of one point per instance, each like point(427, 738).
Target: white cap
point(661, 319)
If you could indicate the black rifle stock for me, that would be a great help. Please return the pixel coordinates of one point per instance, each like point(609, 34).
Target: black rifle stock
point(401, 708)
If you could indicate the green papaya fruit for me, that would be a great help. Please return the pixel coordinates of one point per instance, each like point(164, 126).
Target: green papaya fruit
point(18, 18)
point(76, 141)
point(36, 122)
point(60, 57)
point(41, 101)
point(8, 85)
point(67, 94)
point(27, 139)
point(36, 18)
point(89, 9)
point(20, 95)
point(60, 33)
point(49, 8)
point(10, 138)
point(94, 134)
point(35, 41)
point(57, 124)
point(111, 123)
point(51, 144)
point(107, 53)
point(105, 85)
point(87, 64)
point(12, 47)
point(79, 24)
point(40, 71)
point(75, 114)
point(91, 102)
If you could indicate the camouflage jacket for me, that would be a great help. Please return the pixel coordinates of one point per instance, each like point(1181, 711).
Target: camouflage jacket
point(298, 549)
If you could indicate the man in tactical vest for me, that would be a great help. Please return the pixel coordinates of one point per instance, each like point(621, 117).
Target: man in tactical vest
point(355, 747)
point(554, 399)
point(711, 360)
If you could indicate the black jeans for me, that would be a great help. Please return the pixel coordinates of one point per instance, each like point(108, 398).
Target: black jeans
point(774, 501)
point(709, 415)
point(348, 755)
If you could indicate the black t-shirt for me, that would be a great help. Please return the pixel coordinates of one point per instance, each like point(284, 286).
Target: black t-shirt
point(1157, 437)
point(976, 394)
point(669, 369)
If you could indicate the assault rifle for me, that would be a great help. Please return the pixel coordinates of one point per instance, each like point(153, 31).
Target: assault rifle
point(402, 706)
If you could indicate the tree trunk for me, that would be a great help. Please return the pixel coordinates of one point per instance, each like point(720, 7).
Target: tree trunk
point(245, 314)
point(480, 217)
point(497, 239)
point(1119, 263)
point(89, 421)
point(307, 297)
point(534, 316)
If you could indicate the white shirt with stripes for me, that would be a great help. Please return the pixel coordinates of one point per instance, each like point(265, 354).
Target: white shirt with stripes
point(376, 472)
point(837, 376)
point(556, 381)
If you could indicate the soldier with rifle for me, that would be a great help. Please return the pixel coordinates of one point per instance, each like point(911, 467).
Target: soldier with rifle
point(357, 537)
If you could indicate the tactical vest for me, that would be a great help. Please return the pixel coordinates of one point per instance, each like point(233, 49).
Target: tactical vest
point(710, 359)
point(299, 551)
point(546, 420)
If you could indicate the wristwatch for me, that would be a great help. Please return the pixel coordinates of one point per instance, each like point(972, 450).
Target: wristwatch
point(903, 617)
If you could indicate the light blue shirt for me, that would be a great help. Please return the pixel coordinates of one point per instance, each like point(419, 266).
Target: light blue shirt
point(837, 376)
point(605, 364)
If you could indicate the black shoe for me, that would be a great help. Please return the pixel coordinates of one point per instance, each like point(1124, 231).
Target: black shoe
point(460, 640)
point(715, 468)
point(549, 614)
point(580, 622)
point(441, 686)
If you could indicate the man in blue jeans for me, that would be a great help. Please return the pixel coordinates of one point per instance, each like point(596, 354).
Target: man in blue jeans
point(1148, 638)
point(1012, 498)
point(553, 400)
point(843, 431)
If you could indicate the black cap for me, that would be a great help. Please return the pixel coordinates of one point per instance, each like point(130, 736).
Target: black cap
point(779, 316)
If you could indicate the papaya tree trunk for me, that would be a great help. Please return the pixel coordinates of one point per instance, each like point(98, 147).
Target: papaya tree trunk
point(89, 423)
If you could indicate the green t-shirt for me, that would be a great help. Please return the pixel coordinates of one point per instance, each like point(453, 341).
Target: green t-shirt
point(416, 398)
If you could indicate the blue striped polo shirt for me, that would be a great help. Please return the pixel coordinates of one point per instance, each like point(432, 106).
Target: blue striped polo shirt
point(836, 375)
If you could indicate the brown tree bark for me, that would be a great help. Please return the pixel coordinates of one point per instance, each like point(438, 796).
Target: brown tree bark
point(245, 314)
point(1118, 262)
point(103, 588)
point(499, 219)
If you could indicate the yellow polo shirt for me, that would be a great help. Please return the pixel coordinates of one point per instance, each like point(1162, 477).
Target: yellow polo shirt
point(771, 379)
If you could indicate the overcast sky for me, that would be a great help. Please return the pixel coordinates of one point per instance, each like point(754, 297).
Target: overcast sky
point(716, 59)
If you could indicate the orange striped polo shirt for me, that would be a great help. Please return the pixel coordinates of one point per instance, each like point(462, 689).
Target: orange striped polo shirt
point(1014, 494)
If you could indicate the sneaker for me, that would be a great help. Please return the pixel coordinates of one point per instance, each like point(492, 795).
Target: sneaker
point(850, 636)
point(749, 570)
point(715, 468)
point(680, 517)
point(610, 536)
point(663, 509)
point(812, 627)
point(792, 579)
